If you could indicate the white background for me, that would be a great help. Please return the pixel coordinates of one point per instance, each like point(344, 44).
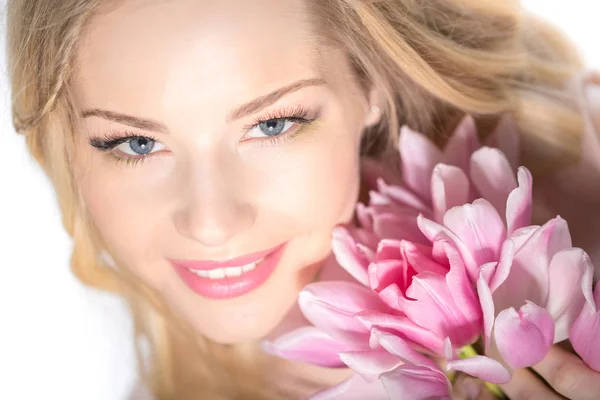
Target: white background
point(60, 340)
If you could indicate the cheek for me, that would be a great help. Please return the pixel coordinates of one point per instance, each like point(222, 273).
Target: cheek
point(125, 207)
point(316, 184)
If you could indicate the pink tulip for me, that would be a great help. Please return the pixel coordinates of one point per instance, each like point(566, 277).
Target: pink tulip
point(514, 263)
point(355, 388)
point(415, 377)
point(436, 180)
point(482, 367)
point(440, 259)
point(435, 296)
point(524, 338)
point(420, 156)
point(477, 229)
point(391, 369)
point(431, 300)
point(585, 332)
point(540, 274)
point(309, 345)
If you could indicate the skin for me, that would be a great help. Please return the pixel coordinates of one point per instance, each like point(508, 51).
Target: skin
point(208, 192)
point(213, 188)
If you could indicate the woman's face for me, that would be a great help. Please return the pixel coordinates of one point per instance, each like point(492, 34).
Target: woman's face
point(243, 152)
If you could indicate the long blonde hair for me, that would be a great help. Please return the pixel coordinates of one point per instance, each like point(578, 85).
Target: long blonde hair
point(434, 60)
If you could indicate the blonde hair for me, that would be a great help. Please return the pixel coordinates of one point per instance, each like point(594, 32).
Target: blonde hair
point(434, 60)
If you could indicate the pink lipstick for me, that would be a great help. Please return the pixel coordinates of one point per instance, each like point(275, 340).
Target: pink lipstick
point(230, 278)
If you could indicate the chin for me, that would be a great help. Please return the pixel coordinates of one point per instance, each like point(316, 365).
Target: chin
point(230, 332)
point(254, 316)
point(237, 323)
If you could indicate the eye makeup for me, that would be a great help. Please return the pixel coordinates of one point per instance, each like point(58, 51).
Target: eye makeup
point(110, 141)
point(299, 116)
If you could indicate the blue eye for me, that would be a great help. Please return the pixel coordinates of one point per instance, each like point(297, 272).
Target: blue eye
point(132, 149)
point(139, 145)
point(271, 127)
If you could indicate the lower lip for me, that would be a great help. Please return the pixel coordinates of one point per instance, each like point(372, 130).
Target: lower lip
point(230, 287)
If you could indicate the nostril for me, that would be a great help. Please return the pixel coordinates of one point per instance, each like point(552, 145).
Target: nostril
point(216, 225)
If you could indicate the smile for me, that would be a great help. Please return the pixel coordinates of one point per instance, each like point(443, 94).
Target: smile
point(230, 278)
point(227, 272)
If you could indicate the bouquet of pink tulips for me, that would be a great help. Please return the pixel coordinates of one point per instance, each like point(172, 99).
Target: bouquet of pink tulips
point(447, 267)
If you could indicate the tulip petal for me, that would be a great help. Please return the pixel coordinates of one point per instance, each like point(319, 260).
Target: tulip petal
point(482, 367)
point(480, 229)
point(435, 233)
point(331, 306)
point(506, 138)
point(565, 297)
point(410, 382)
point(487, 307)
point(363, 214)
point(492, 176)
point(585, 332)
point(388, 249)
point(462, 291)
point(520, 202)
point(435, 309)
point(522, 235)
point(397, 226)
point(449, 188)
point(449, 352)
point(370, 363)
point(419, 257)
point(462, 144)
point(349, 256)
point(419, 337)
point(355, 388)
point(419, 156)
point(387, 272)
point(402, 195)
point(309, 345)
point(529, 273)
point(524, 338)
point(502, 270)
point(401, 348)
point(431, 229)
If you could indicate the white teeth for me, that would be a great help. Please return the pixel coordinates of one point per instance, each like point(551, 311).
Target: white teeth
point(248, 267)
point(217, 273)
point(233, 271)
point(220, 273)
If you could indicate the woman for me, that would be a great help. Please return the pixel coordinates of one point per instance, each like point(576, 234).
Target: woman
point(203, 151)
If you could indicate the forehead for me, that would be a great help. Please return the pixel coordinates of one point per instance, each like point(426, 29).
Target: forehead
point(143, 50)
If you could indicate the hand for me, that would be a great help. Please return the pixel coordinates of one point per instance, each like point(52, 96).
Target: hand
point(565, 374)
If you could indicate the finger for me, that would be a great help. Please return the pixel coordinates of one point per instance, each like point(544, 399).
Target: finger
point(466, 387)
point(524, 385)
point(568, 375)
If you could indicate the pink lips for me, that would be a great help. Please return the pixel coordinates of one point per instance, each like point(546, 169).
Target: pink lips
point(229, 287)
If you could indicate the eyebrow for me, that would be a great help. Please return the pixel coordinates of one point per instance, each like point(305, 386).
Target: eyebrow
point(239, 112)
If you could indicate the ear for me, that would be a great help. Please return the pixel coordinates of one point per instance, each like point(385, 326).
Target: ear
point(374, 111)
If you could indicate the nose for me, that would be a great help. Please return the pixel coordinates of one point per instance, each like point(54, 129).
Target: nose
point(214, 209)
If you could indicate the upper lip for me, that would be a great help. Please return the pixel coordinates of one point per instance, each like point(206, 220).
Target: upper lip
point(234, 262)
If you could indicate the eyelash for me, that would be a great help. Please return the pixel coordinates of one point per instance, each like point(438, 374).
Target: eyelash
point(299, 115)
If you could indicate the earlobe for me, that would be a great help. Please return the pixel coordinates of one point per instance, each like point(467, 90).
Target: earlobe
point(374, 113)
point(374, 116)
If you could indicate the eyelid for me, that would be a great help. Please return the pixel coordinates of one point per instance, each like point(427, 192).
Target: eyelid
point(109, 143)
point(293, 113)
point(156, 142)
point(301, 116)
